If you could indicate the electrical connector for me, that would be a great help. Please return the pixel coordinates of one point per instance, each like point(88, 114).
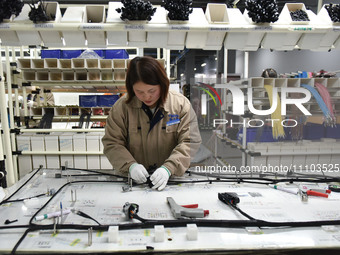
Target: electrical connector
point(230, 198)
point(130, 209)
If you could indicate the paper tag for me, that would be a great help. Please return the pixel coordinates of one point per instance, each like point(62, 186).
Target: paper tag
point(179, 27)
point(134, 27)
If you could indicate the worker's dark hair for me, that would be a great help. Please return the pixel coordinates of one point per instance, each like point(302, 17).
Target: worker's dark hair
point(269, 73)
point(147, 70)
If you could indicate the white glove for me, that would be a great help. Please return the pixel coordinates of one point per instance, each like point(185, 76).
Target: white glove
point(30, 103)
point(160, 178)
point(138, 173)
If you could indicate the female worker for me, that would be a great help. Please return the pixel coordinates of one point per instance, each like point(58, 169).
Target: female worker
point(151, 130)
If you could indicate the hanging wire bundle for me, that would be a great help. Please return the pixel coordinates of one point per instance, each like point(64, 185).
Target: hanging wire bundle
point(261, 11)
point(328, 118)
point(178, 9)
point(326, 97)
point(38, 13)
point(231, 3)
point(277, 128)
point(333, 11)
point(9, 8)
point(136, 10)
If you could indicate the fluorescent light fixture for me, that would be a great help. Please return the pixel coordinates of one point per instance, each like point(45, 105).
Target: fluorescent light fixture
point(204, 64)
point(204, 104)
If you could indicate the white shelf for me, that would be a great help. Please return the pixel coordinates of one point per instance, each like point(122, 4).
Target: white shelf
point(195, 33)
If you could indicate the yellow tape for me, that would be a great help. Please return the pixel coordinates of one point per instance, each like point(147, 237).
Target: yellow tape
point(277, 128)
point(75, 241)
point(55, 234)
point(147, 232)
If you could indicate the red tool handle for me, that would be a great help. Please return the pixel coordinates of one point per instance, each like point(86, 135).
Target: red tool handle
point(315, 193)
point(190, 206)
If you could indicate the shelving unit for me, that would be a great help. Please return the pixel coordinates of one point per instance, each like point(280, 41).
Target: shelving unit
point(227, 28)
point(285, 153)
point(238, 31)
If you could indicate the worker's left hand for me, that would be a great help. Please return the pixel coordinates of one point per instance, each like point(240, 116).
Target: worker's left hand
point(160, 178)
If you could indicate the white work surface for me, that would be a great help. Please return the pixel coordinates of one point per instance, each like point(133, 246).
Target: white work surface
point(104, 201)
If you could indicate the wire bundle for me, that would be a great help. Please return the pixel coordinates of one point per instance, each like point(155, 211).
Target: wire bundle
point(38, 13)
point(136, 10)
point(321, 103)
point(9, 7)
point(262, 10)
point(178, 9)
point(323, 91)
point(299, 15)
point(333, 11)
point(277, 128)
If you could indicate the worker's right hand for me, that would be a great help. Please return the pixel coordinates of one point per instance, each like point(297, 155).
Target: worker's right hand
point(138, 173)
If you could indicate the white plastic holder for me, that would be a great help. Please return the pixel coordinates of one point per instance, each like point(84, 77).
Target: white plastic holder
point(324, 17)
point(216, 14)
point(177, 34)
point(49, 36)
point(196, 39)
point(159, 233)
point(285, 18)
point(317, 41)
point(8, 37)
point(115, 37)
point(27, 37)
point(280, 41)
point(158, 39)
point(192, 232)
point(76, 38)
point(94, 16)
point(113, 234)
point(248, 41)
point(137, 36)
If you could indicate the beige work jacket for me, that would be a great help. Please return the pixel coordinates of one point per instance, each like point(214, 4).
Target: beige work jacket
point(172, 141)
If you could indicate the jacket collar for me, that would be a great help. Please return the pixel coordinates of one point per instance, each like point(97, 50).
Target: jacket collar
point(136, 103)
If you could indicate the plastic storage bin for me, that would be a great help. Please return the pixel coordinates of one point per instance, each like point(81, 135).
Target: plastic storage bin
point(116, 54)
point(332, 132)
point(106, 100)
point(70, 53)
point(50, 53)
point(87, 100)
point(254, 135)
point(312, 131)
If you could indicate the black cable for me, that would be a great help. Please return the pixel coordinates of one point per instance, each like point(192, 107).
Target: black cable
point(5, 200)
point(22, 199)
point(94, 171)
point(147, 223)
point(82, 214)
point(240, 211)
point(19, 241)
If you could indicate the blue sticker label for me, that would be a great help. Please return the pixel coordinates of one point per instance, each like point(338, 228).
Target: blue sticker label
point(173, 119)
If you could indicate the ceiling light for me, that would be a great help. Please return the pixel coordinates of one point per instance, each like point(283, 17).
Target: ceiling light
point(204, 64)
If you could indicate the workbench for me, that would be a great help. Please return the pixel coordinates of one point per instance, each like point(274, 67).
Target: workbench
point(102, 198)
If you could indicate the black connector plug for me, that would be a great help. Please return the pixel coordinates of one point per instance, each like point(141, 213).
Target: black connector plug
point(149, 182)
point(230, 198)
